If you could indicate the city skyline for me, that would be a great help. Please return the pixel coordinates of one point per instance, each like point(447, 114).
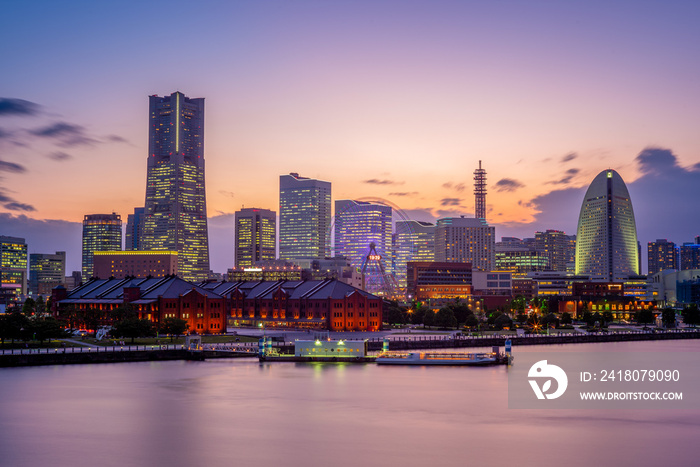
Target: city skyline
point(545, 96)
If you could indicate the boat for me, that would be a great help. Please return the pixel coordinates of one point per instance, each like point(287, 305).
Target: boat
point(435, 358)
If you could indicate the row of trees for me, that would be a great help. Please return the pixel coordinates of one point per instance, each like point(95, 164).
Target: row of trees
point(457, 314)
point(126, 324)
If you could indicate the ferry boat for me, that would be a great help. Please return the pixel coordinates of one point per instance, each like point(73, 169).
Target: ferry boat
point(434, 358)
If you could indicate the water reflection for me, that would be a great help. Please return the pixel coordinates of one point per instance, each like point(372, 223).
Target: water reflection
point(241, 412)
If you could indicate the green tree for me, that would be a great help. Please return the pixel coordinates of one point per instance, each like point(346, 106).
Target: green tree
point(14, 326)
point(550, 320)
point(133, 328)
point(503, 321)
point(566, 319)
point(393, 313)
point(45, 328)
point(428, 318)
point(492, 317)
point(645, 317)
point(461, 311)
point(587, 318)
point(607, 317)
point(668, 317)
point(174, 326)
point(417, 315)
point(472, 321)
point(691, 315)
point(517, 305)
point(29, 307)
point(445, 318)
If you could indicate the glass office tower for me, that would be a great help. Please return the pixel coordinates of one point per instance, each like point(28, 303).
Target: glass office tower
point(305, 218)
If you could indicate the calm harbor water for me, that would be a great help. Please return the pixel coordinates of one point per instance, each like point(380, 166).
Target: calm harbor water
point(241, 412)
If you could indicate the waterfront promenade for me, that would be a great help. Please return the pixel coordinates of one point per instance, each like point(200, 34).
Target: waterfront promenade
point(397, 341)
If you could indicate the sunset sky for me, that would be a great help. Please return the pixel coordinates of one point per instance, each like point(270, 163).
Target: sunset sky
point(397, 100)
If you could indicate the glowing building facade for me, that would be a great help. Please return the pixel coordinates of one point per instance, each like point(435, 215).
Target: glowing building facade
point(606, 238)
point(414, 241)
point(46, 271)
point(13, 265)
point(255, 236)
point(466, 240)
point(305, 218)
point(359, 224)
point(176, 210)
point(101, 232)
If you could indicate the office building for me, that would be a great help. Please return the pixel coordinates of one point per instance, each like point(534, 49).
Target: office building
point(559, 247)
point(175, 217)
point(46, 271)
point(690, 255)
point(466, 240)
point(428, 280)
point(121, 264)
point(661, 255)
point(305, 218)
point(359, 225)
point(255, 236)
point(520, 260)
point(606, 238)
point(101, 232)
point(134, 230)
point(13, 267)
point(414, 241)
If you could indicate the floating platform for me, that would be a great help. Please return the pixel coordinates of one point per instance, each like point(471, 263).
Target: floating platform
point(295, 358)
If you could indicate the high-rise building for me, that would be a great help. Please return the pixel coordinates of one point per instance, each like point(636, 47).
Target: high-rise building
point(414, 241)
point(46, 271)
point(134, 229)
point(558, 246)
point(176, 210)
point(13, 264)
point(358, 226)
point(101, 232)
point(606, 238)
point(690, 255)
point(305, 218)
point(480, 193)
point(466, 240)
point(255, 236)
point(661, 255)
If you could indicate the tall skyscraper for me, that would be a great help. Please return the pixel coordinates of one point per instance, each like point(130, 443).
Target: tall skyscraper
point(414, 242)
point(176, 208)
point(305, 218)
point(46, 271)
point(255, 236)
point(480, 193)
point(466, 240)
point(101, 232)
point(13, 264)
point(606, 238)
point(134, 229)
point(661, 255)
point(359, 224)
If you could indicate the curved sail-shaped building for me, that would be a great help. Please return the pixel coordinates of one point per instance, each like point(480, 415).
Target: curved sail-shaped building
point(606, 237)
